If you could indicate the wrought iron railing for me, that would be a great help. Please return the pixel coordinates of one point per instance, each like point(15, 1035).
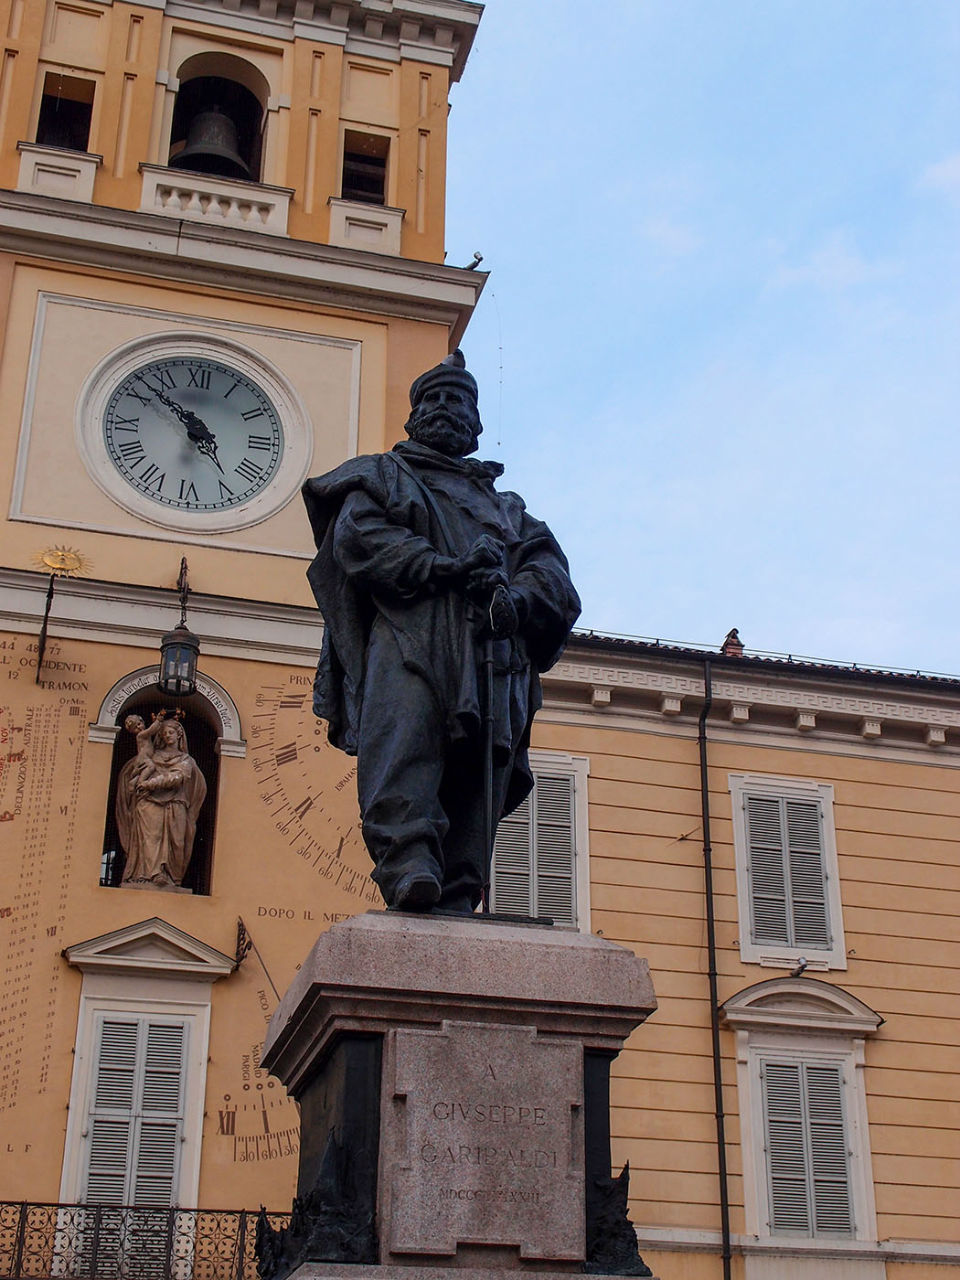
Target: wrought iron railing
point(101, 1242)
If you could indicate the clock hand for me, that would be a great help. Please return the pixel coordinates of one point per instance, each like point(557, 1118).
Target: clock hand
point(197, 430)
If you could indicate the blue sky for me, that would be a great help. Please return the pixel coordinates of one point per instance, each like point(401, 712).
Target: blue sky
point(724, 241)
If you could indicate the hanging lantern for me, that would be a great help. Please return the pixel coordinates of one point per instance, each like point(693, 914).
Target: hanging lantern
point(179, 649)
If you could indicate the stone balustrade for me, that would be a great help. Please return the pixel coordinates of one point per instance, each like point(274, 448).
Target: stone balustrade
point(202, 197)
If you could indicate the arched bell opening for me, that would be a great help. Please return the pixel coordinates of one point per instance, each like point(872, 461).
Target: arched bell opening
point(218, 119)
point(202, 727)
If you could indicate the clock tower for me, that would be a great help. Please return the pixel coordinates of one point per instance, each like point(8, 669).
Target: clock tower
point(222, 264)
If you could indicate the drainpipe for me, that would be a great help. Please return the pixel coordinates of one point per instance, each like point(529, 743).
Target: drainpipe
point(712, 971)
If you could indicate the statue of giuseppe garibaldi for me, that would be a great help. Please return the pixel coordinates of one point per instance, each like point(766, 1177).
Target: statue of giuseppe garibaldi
point(424, 572)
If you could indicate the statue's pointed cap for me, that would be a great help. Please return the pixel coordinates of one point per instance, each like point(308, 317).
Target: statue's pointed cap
point(452, 370)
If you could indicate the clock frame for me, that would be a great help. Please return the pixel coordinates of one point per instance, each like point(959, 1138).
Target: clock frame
point(159, 435)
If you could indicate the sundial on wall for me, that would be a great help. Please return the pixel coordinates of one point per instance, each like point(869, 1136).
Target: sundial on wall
point(309, 790)
point(257, 1118)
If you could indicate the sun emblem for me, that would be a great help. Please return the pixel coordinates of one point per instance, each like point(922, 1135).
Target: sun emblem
point(62, 562)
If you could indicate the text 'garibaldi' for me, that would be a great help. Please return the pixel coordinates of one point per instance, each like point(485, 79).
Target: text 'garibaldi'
point(422, 566)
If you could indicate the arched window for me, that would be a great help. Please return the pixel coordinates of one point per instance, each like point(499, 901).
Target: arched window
point(219, 117)
point(202, 728)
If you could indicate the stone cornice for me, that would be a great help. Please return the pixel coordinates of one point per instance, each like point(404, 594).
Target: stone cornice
point(242, 261)
point(872, 711)
point(432, 30)
point(117, 613)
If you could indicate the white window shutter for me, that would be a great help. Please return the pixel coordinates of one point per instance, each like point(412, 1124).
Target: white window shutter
point(553, 835)
point(534, 855)
point(828, 1151)
point(111, 1119)
point(161, 1118)
point(808, 892)
point(136, 1113)
point(786, 1159)
point(768, 885)
point(512, 878)
point(808, 1174)
point(788, 896)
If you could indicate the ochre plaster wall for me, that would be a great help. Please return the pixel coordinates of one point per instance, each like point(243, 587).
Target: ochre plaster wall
point(391, 353)
point(311, 99)
point(896, 826)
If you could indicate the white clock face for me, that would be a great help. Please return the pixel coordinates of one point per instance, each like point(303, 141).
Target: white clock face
point(193, 434)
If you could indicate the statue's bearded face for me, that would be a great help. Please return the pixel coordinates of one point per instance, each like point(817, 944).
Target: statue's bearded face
point(447, 420)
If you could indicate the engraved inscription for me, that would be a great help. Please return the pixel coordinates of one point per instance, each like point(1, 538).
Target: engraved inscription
point(484, 1142)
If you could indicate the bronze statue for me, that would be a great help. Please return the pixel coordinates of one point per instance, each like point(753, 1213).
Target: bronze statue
point(159, 794)
point(443, 601)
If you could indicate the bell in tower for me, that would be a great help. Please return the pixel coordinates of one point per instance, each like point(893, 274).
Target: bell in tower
point(212, 146)
point(216, 129)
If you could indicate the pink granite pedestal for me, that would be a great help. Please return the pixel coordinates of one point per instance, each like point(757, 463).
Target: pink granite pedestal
point(472, 1037)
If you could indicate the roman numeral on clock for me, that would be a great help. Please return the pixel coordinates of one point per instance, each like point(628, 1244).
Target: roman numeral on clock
point(152, 476)
point(164, 377)
point(251, 414)
point(131, 451)
point(258, 442)
point(248, 470)
point(126, 424)
point(188, 492)
point(199, 378)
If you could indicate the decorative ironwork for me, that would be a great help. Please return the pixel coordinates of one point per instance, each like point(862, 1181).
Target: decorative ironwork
point(103, 1242)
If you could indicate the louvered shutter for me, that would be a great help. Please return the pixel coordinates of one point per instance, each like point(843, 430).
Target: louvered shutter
point(534, 856)
point(828, 1151)
point(512, 877)
point(788, 899)
point(808, 1175)
point(808, 896)
point(554, 847)
point(136, 1113)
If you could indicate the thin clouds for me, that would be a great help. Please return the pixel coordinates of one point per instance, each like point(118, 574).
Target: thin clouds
point(726, 314)
point(671, 238)
point(944, 176)
point(835, 265)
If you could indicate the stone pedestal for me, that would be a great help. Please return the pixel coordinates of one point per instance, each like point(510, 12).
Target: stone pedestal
point(452, 1075)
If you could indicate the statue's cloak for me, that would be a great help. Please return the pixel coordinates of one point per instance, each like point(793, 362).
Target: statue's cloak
point(379, 525)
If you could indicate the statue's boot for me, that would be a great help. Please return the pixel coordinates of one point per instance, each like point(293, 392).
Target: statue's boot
point(416, 891)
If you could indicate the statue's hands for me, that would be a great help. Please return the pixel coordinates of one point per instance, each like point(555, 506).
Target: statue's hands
point(485, 553)
point(481, 584)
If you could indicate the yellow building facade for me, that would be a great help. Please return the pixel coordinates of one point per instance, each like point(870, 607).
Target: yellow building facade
point(289, 287)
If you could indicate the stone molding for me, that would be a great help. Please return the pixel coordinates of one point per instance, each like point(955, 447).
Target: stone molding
point(792, 694)
point(439, 31)
point(106, 729)
point(230, 259)
point(151, 949)
point(290, 634)
point(383, 970)
point(114, 613)
point(800, 1004)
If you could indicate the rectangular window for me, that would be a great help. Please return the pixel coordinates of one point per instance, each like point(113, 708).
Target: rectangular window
point(785, 850)
point(787, 880)
point(540, 856)
point(808, 1176)
point(66, 110)
point(364, 167)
